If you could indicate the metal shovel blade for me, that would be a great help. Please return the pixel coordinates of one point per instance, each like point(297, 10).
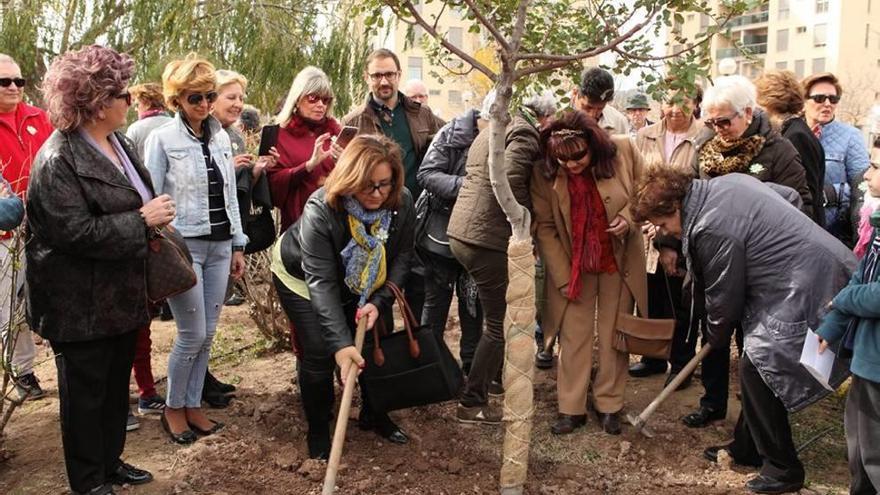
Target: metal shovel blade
point(639, 425)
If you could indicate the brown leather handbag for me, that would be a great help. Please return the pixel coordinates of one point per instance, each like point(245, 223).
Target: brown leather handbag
point(643, 336)
point(169, 265)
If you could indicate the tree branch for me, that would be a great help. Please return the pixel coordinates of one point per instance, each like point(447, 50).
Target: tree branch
point(518, 28)
point(109, 18)
point(489, 25)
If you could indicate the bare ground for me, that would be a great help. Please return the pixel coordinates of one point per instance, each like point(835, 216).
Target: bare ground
point(262, 451)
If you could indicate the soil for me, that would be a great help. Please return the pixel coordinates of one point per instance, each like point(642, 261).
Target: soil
point(262, 450)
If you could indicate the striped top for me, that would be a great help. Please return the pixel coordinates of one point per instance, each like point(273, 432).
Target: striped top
point(221, 227)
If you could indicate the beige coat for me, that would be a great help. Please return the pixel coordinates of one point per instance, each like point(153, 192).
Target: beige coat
point(651, 142)
point(551, 226)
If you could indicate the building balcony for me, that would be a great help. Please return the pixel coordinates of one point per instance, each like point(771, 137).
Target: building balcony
point(753, 48)
point(748, 20)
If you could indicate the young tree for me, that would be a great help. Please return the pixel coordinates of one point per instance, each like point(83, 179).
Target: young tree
point(534, 41)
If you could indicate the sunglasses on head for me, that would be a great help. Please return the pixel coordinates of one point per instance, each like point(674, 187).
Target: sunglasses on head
point(315, 98)
point(125, 96)
point(720, 122)
point(821, 98)
point(196, 98)
point(7, 81)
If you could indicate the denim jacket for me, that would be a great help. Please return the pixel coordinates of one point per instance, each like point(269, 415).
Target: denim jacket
point(174, 159)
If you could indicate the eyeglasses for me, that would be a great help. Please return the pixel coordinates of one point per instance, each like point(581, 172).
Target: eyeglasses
point(383, 187)
point(7, 81)
point(315, 98)
point(720, 122)
point(378, 76)
point(196, 98)
point(821, 98)
point(125, 96)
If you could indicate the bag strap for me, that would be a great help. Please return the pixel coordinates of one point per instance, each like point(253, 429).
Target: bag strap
point(408, 325)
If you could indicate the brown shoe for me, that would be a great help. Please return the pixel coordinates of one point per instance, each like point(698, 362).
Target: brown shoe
point(566, 423)
point(610, 422)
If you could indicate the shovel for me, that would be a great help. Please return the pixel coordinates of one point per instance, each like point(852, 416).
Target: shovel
point(342, 417)
point(640, 421)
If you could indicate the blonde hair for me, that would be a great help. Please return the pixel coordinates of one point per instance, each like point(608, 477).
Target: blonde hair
point(193, 73)
point(227, 77)
point(356, 164)
point(310, 80)
point(149, 93)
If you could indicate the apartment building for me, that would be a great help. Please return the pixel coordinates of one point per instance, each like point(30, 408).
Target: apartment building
point(805, 36)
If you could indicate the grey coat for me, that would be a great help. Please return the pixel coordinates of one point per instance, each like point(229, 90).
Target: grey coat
point(766, 265)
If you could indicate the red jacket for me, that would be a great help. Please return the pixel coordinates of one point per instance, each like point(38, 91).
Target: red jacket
point(290, 183)
point(19, 146)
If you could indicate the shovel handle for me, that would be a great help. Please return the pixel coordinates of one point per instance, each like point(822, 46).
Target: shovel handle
point(342, 417)
point(682, 375)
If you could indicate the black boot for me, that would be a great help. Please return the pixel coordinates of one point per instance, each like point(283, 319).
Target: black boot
point(316, 392)
point(216, 386)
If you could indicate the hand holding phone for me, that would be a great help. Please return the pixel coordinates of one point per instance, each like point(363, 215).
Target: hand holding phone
point(268, 139)
point(345, 136)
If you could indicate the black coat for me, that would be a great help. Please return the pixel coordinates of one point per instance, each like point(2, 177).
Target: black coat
point(812, 158)
point(442, 170)
point(86, 243)
point(311, 248)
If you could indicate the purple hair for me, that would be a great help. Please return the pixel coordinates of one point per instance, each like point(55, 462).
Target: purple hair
point(81, 83)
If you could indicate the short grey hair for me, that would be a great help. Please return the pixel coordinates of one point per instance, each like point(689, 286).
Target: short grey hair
point(4, 58)
point(310, 80)
point(736, 91)
point(543, 103)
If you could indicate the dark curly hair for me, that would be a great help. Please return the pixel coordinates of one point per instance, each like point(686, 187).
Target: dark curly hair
point(597, 84)
point(659, 193)
point(571, 137)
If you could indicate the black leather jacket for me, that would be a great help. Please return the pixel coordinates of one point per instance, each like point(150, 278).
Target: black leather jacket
point(86, 243)
point(311, 248)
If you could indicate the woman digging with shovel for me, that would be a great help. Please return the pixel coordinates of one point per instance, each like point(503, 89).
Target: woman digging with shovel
point(763, 264)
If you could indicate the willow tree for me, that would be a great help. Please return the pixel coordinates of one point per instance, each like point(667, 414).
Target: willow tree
point(268, 42)
point(540, 42)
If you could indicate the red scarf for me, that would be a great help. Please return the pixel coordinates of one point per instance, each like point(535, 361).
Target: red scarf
point(591, 249)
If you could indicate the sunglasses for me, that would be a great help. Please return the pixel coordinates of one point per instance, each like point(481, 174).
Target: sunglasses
point(821, 98)
point(382, 187)
point(720, 122)
point(125, 96)
point(196, 98)
point(8, 81)
point(378, 76)
point(315, 98)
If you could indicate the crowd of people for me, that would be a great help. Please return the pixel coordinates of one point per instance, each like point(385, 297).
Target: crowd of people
point(735, 214)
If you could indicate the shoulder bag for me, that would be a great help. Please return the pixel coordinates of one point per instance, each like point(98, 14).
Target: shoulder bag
point(169, 264)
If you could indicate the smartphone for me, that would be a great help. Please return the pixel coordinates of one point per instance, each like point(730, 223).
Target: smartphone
point(348, 133)
point(268, 138)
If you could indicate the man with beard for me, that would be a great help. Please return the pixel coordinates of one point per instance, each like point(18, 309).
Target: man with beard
point(412, 126)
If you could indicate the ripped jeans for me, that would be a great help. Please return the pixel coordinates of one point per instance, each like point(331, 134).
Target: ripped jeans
point(196, 312)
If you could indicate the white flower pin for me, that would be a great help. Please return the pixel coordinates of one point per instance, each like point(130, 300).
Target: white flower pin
point(382, 235)
point(235, 146)
point(863, 186)
point(32, 130)
point(756, 169)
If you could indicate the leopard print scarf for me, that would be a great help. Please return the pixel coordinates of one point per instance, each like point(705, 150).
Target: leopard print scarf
point(718, 157)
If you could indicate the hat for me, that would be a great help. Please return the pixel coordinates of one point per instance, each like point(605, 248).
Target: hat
point(638, 100)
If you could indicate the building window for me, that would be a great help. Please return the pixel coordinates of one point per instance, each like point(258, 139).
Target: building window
point(821, 6)
point(820, 35)
point(414, 68)
point(454, 97)
point(782, 40)
point(690, 17)
point(418, 32)
point(818, 65)
point(455, 36)
point(781, 65)
point(434, 92)
point(801, 29)
point(799, 68)
point(783, 10)
point(704, 21)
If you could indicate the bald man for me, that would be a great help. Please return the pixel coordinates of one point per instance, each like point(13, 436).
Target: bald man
point(415, 90)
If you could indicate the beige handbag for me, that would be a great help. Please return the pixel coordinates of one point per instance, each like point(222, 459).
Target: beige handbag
point(643, 336)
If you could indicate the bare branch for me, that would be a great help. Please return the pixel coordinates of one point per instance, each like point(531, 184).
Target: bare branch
point(489, 25)
point(519, 27)
point(418, 19)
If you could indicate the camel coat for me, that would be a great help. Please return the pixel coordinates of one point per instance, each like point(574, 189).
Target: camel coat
point(551, 227)
point(651, 142)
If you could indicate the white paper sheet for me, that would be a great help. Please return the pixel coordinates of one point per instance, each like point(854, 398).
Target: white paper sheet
point(819, 365)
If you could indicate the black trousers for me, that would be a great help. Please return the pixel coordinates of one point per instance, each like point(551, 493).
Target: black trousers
point(666, 299)
point(93, 381)
point(438, 299)
point(414, 292)
point(763, 433)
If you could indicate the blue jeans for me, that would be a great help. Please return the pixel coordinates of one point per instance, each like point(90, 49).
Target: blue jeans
point(196, 312)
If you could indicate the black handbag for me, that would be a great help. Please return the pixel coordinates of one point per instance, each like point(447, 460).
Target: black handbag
point(432, 220)
point(408, 368)
point(260, 229)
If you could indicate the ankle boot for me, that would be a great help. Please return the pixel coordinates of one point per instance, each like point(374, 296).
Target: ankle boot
point(215, 385)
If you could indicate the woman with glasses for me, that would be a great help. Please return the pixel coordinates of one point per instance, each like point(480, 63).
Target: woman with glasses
point(190, 158)
point(305, 146)
point(90, 210)
point(355, 234)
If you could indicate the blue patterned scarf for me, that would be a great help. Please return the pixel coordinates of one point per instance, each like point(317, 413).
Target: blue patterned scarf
point(364, 255)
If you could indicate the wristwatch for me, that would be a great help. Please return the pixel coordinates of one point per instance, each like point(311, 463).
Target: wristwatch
point(238, 249)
